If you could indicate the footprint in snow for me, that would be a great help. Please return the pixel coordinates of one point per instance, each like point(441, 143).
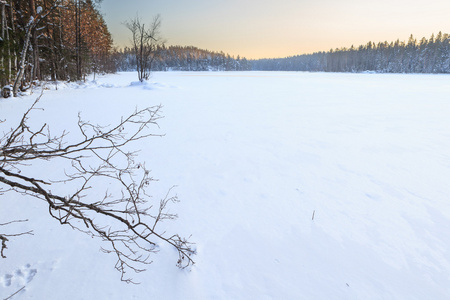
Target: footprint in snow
point(23, 275)
point(7, 280)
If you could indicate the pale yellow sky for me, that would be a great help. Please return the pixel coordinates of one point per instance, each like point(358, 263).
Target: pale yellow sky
point(261, 28)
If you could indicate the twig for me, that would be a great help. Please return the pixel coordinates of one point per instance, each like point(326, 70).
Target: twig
point(15, 221)
point(14, 293)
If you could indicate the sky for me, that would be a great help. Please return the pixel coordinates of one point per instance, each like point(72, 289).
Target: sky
point(269, 29)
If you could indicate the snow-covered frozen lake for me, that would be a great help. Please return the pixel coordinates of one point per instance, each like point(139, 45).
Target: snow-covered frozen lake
point(293, 186)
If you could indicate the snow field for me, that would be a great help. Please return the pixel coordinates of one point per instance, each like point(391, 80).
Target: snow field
point(253, 156)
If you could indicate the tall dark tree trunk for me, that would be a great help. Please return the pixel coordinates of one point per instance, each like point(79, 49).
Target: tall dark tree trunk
point(3, 77)
point(6, 60)
point(13, 31)
point(78, 38)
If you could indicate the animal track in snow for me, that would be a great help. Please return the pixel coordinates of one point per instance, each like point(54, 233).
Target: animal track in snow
point(7, 280)
point(22, 276)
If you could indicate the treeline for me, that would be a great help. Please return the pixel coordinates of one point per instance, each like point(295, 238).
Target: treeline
point(52, 40)
point(424, 56)
point(178, 58)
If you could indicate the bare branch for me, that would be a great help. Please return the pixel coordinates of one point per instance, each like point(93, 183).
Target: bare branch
point(124, 218)
point(10, 297)
point(4, 239)
point(12, 222)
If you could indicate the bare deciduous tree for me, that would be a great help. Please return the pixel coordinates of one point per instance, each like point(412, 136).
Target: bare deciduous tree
point(146, 43)
point(123, 218)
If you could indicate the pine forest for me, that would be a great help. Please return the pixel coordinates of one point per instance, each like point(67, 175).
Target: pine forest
point(424, 56)
point(51, 40)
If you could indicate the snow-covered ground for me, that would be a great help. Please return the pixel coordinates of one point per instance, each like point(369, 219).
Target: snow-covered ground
point(254, 156)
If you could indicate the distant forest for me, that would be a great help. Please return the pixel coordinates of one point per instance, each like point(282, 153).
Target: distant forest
point(178, 58)
point(425, 56)
point(414, 56)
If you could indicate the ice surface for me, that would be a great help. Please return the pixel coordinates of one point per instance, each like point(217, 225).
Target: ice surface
point(253, 156)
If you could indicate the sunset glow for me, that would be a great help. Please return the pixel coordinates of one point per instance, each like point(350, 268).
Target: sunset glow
point(257, 29)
